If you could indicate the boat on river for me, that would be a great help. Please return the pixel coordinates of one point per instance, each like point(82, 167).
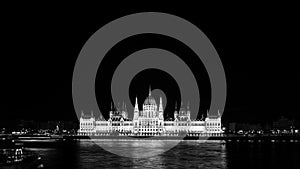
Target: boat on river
point(19, 158)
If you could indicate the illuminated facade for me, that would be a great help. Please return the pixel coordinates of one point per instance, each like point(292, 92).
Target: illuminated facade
point(149, 122)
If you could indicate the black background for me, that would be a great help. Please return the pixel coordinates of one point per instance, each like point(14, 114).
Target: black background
point(258, 45)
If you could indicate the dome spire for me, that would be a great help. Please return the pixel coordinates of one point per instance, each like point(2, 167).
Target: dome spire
point(150, 90)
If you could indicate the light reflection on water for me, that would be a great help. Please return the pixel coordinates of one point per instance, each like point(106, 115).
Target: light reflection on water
point(86, 154)
point(136, 148)
point(187, 154)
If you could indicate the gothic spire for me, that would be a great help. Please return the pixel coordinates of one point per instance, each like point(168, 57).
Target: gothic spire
point(118, 107)
point(136, 107)
point(160, 100)
point(149, 90)
point(160, 104)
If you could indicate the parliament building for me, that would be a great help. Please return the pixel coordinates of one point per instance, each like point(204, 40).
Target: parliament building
point(149, 122)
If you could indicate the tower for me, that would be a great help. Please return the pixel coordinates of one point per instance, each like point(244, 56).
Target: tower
point(92, 114)
point(124, 111)
point(148, 113)
point(92, 120)
point(175, 112)
point(111, 111)
point(136, 109)
point(188, 112)
point(219, 115)
point(160, 109)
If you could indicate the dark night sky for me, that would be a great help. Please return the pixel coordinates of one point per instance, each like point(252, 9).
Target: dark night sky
point(258, 47)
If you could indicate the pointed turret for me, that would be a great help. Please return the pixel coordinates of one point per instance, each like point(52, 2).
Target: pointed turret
point(188, 112)
point(118, 107)
point(111, 110)
point(82, 114)
point(149, 90)
point(202, 118)
point(136, 107)
point(160, 105)
point(92, 113)
point(110, 114)
point(123, 106)
point(124, 111)
point(175, 112)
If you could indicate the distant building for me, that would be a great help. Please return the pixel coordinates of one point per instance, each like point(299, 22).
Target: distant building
point(235, 127)
point(149, 121)
point(232, 127)
point(26, 124)
point(283, 124)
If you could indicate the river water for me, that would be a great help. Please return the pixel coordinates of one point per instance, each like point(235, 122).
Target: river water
point(86, 154)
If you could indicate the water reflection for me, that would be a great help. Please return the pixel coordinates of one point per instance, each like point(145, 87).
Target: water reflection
point(86, 154)
point(187, 154)
point(197, 154)
point(136, 148)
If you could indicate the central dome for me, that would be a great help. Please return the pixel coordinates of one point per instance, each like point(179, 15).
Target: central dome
point(150, 100)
